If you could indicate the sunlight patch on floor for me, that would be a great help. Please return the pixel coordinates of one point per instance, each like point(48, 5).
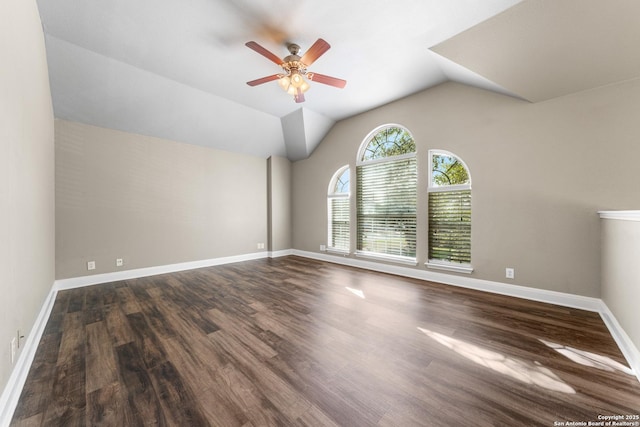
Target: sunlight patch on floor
point(357, 292)
point(527, 372)
point(588, 359)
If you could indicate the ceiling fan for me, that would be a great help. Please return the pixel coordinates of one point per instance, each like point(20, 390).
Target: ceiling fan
point(294, 68)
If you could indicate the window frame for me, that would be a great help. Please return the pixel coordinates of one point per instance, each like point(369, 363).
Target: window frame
point(456, 187)
point(431, 188)
point(332, 195)
point(361, 162)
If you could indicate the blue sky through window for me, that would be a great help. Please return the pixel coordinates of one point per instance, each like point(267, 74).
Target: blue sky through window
point(342, 183)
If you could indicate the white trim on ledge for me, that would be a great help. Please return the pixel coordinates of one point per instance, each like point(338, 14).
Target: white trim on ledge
point(449, 266)
point(336, 251)
point(387, 258)
point(620, 215)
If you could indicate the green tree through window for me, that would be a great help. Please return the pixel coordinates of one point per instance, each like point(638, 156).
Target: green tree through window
point(449, 209)
point(447, 170)
point(391, 141)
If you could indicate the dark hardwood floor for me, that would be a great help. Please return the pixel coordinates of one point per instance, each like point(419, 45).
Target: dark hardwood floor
point(292, 341)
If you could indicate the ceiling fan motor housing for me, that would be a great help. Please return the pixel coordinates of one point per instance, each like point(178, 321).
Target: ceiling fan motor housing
point(293, 48)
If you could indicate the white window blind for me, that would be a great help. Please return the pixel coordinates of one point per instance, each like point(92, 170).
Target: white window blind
point(386, 207)
point(450, 226)
point(338, 203)
point(339, 223)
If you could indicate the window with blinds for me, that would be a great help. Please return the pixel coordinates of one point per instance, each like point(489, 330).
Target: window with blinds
point(386, 195)
point(450, 226)
point(338, 202)
point(339, 229)
point(449, 209)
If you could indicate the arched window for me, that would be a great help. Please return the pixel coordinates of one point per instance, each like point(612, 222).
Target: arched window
point(386, 194)
point(449, 212)
point(338, 198)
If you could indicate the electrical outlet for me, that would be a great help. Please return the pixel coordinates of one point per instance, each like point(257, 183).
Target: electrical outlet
point(91, 265)
point(510, 273)
point(13, 350)
point(260, 245)
point(119, 262)
point(323, 248)
point(20, 337)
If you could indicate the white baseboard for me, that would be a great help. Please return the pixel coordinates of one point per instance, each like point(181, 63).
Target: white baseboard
point(541, 295)
point(277, 254)
point(627, 347)
point(13, 388)
point(78, 282)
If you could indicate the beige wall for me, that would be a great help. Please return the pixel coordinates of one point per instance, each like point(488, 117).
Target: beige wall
point(540, 172)
point(151, 202)
point(279, 209)
point(26, 174)
point(621, 273)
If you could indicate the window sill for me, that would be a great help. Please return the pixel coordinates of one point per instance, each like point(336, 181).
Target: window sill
point(336, 251)
point(449, 266)
point(390, 258)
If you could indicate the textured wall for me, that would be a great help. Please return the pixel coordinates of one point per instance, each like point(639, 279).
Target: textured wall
point(540, 172)
point(151, 201)
point(26, 174)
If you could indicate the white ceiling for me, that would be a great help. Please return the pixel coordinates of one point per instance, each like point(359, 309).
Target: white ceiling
point(177, 69)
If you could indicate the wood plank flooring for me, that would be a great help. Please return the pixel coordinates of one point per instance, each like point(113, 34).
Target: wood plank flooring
point(293, 341)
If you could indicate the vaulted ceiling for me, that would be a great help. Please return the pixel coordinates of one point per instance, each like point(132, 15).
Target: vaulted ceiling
point(178, 69)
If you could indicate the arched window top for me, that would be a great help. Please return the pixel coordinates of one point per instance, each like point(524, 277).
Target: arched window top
point(339, 184)
point(449, 212)
point(447, 171)
point(339, 206)
point(386, 141)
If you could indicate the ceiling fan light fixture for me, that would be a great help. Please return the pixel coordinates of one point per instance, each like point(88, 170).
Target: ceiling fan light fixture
point(296, 79)
point(284, 82)
point(304, 86)
point(293, 83)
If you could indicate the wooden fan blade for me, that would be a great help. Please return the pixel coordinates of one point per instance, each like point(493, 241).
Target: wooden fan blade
point(315, 52)
point(327, 80)
point(299, 96)
point(264, 52)
point(263, 80)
